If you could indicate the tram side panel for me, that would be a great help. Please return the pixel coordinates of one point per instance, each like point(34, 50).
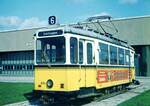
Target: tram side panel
point(98, 77)
point(73, 78)
point(132, 74)
point(108, 77)
point(58, 76)
point(80, 77)
point(64, 78)
point(90, 76)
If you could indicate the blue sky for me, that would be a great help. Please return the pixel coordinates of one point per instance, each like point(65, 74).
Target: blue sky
point(21, 14)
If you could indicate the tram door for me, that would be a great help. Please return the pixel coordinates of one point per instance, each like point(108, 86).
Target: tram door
point(85, 59)
point(89, 69)
point(82, 63)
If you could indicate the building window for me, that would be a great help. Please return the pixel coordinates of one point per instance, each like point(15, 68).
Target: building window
point(6, 67)
point(15, 67)
point(18, 68)
point(73, 50)
point(89, 53)
point(9, 68)
point(103, 53)
point(121, 56)
point(113, 55)
point(80, 52)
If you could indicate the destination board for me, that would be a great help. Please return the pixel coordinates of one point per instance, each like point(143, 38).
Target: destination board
point(50, 33)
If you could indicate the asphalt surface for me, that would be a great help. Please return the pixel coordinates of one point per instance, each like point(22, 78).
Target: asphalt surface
point(112, 101)
point(21, 79)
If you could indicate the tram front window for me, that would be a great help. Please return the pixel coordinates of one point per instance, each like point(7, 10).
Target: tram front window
point(50, 50)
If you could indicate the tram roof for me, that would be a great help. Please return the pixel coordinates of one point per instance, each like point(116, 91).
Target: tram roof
point(88, 33)
point(94, 34)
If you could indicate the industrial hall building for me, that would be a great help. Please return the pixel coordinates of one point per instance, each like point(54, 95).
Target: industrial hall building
point(17, 46)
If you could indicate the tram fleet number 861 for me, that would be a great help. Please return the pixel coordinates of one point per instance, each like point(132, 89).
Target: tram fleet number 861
point(73, 62)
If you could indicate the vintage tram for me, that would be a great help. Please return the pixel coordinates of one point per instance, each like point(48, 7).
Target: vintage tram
point(74, 62)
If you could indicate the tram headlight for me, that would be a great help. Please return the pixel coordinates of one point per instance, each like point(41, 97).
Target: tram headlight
point(49, 83)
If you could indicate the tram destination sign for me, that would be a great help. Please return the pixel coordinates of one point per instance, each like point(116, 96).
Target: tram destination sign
point(50, 33)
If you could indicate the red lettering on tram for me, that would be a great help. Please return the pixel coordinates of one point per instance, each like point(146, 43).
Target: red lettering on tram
point(111, 75)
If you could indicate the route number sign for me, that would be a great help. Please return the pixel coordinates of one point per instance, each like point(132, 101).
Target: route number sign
point(52, 20)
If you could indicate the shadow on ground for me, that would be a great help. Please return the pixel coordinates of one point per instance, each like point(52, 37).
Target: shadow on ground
point(35, 100)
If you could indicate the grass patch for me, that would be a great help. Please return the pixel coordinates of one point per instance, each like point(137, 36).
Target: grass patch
point(141, 100)
point(14, 92)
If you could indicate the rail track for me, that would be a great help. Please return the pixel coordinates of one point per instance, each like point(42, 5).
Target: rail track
point(96, 98)
point(79, 101)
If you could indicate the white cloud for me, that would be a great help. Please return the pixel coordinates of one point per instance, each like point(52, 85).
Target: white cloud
point(10, 20)
point(128, 1)
point(32, 22)
point(14, 22)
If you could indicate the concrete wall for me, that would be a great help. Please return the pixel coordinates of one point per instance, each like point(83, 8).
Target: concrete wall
point(134, 30)
point(17, 40)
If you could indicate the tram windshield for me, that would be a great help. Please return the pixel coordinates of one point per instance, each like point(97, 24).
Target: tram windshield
point(50, 50)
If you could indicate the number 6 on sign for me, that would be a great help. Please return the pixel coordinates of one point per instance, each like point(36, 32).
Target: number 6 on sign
point(52, 20)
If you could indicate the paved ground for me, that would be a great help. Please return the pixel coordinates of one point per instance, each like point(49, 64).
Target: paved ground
point(16, 79)
point(113, 101)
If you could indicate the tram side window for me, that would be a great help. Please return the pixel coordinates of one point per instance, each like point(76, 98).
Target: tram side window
point(80, 52)
point(121, 56)
point(73, 50)
point(103, 53)
point(127, 57)
point(113, 55)
point(38, 51)
point(53, 54)
point(89, 53)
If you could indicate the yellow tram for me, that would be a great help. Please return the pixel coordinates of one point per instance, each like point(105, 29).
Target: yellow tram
point(77, 62)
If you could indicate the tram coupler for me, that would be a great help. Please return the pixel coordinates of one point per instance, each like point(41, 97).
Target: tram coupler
point(136, 82)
